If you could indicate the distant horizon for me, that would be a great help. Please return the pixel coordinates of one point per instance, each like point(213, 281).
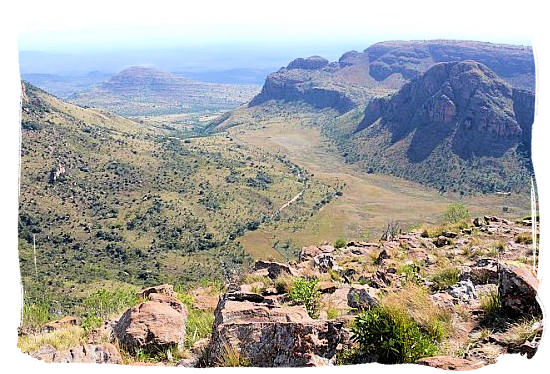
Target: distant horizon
point(198, 58)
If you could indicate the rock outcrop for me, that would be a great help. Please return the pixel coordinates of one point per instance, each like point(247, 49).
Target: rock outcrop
point(385, 67)
point(518, 290)
point(89, 353)
point(460, 111)
point(261, 332)
point(154, 324)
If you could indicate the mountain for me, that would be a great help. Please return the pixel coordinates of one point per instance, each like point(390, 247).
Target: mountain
point(64, 86)
point(458, 123)
point(147, 91)
point(104, 199)
point(384, 68)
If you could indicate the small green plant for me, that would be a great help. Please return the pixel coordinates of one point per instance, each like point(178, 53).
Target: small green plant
point(91, 322)
point(410, 271)
point(456, 212)
point(491, 305)
point(35, 316)
point(305, 291)
point(445, 278)
point(392, 336)
point(339, 243)
point(233, 358)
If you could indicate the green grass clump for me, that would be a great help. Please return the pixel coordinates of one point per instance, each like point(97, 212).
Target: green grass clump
point(339, 243)
point(491, 304)
point(60, 339)
point(456, 212)
point(198, 326)
point(524, 238)
point(104, 304)
point(305, 291)
point(392, 336)
point(35, 316)
point(445, 278)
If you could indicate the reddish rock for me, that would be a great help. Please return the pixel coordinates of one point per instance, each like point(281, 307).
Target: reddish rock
point(308, 253)
point(89, 353)
point(270, 335)
point(275, 269)
point(450, 363)
point(153, 324)
point(62, 323)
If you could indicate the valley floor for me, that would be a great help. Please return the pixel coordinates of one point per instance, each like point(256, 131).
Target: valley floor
point(369, 201)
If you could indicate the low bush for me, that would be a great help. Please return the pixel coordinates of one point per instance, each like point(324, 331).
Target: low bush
point(392, 336)
point(339, 243)
point(456, 212)
point(305, 291)
point(413, 300)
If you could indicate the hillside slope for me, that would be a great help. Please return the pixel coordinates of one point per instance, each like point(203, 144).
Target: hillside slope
point(104, 198)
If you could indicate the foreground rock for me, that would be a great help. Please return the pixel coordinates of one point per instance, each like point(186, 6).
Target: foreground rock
point(518, 290)
point(260, 332)
point(89, 353)
point(450, 363)
point(155, 324)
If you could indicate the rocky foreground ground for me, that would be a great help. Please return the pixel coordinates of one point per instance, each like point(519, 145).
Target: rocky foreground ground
point(469, 287)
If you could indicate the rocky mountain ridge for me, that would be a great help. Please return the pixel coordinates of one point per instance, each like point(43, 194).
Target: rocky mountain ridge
point(460, 109)
point(384, 68)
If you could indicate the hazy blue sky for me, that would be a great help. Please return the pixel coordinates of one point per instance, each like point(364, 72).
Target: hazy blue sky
point(192, 35)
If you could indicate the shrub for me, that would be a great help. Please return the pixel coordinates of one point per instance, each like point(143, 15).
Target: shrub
point(411, 272)
point(339, 243)
point(91, 322)
point(305, 291)
point(445, 278)
point(456, 212)
point(414, 301)
point(392, 336)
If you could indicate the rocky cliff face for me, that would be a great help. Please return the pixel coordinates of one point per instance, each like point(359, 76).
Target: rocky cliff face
point(455, 113)
point(385, 67)
point(515, 64)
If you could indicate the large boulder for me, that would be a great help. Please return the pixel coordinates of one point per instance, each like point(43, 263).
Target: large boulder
point(362, 297)
point(518, 290)
point(260, 332)
point(89, 353)
point(155, 324)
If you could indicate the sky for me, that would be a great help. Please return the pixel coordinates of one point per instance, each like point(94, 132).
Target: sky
point(216, 35)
